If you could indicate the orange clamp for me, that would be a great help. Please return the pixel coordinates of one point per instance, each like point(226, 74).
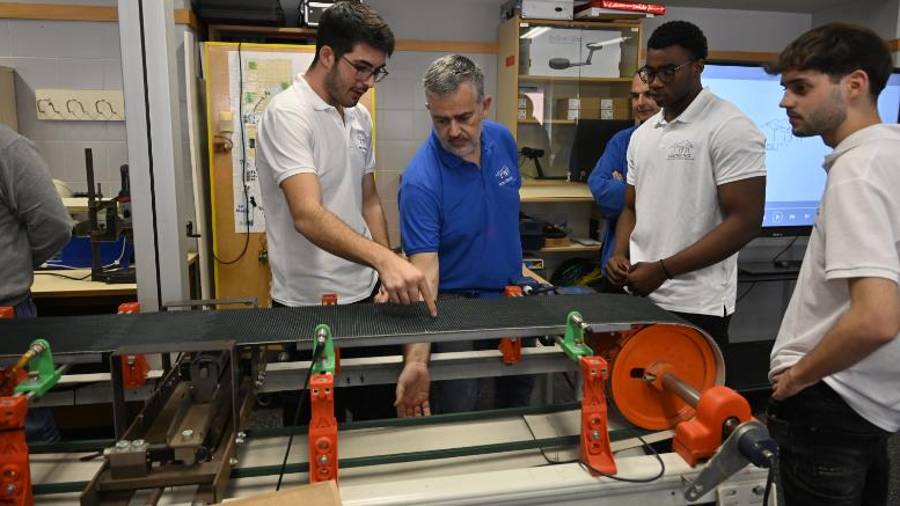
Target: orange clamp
point(595, 450)
point(7, 312)
point(511, 347)
point(134, 367)
point(700, 437)
point(129, 308)
point(15, 475)
point(323, 463)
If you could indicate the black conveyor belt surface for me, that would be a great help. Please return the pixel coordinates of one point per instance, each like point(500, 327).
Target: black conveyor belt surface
point(352, 325)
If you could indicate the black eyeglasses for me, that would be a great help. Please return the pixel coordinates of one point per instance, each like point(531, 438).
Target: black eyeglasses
point(365, 71)
point(665, 73)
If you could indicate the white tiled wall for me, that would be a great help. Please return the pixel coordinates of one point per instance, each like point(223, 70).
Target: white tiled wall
point(80, 55)
point(402, 123)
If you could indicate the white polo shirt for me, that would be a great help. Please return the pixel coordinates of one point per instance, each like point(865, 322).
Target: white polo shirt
point(676, 168)
point(301, 134)
point(857, 235)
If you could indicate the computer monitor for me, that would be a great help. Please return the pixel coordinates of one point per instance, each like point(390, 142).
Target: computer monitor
point(591, 138)
point(795, 178)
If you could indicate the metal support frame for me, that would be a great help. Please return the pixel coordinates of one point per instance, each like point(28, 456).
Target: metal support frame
point(153, 128)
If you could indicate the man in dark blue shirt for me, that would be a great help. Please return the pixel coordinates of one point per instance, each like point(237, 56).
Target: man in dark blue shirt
point(459, 216)
point(607, 180)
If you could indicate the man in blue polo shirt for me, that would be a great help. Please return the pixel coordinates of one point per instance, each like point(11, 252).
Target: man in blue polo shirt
point(607, 180)
point(459, 222)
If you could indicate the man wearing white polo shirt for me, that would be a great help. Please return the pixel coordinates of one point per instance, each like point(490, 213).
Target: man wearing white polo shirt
point(834, 369)
point(696, 188)
point(325, 226)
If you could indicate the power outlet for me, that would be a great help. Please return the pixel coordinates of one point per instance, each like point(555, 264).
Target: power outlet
point(80, 105)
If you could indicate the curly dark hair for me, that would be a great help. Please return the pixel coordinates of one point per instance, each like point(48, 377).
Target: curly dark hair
point(837, 49)
point(680, 33)
point(350, 22)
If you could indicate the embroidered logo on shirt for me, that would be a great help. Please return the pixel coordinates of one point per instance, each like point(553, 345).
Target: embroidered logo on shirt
point(504, 176)
point(361, 141)
point(683, 150)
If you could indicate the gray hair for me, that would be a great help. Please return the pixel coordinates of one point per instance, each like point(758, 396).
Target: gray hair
point(445, 74)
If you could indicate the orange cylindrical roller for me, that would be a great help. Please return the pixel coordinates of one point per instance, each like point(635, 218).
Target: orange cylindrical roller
point(683, 351)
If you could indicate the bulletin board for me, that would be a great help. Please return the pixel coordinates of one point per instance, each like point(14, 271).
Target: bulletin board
point(241, 79)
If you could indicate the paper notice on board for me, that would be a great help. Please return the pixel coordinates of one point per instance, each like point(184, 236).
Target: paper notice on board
point(253, 84)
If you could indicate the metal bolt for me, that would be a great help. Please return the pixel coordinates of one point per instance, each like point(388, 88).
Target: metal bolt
point(595, 435)
point(123, 444)
point(242, 435)
point(258, 383)
point(233, 461)
point(187, 433)
point(137, 443)
point(11, 489)
point(323, 460)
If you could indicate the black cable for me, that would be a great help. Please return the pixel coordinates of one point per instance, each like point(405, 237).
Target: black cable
point(243, 164)
point(317, 352)
point(783, 250)
point(773, 481)
point(48, 273)
point(662, 465)
point(541, 449)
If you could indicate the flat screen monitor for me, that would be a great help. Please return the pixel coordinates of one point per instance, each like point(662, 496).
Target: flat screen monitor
point(795, 178)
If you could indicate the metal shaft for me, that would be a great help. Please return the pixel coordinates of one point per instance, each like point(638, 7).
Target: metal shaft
point(687, 393)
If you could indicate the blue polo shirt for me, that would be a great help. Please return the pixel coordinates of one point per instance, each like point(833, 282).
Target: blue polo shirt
point(608, 191)
point(468, 215)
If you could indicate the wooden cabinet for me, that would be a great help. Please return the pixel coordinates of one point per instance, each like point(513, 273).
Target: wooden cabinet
point(563, 91)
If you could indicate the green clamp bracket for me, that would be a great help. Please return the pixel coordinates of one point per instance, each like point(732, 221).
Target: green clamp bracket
point(42, 374)
point(573, 342)
point(325, 361)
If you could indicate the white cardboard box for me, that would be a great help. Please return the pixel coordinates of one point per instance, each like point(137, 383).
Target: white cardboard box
point(547, 9)
point(571, 43)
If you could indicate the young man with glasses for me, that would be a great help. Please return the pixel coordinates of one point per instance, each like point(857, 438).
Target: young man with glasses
point(695, 189)
point(325, 224)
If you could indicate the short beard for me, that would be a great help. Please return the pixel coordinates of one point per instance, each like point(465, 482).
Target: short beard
point(825, 119)
point(335, 87)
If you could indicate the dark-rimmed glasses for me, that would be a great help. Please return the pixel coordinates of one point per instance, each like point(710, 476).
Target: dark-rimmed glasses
point(665, 73)
point(364, 71)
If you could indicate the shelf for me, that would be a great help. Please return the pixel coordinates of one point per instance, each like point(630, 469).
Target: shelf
point(542, 191)
point(580, 23)
point(572, 248)
point(575, 79)
point(550, 121)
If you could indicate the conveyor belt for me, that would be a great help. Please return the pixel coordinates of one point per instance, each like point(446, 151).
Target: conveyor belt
point(352, 325)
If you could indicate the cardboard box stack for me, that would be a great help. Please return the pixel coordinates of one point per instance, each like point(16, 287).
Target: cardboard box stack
point(592, 108)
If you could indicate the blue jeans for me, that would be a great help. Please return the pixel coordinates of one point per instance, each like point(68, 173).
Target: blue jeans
point(829, 454)
point(39, 422)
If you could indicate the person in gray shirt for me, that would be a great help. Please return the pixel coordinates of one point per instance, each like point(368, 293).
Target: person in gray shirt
point(34, 224)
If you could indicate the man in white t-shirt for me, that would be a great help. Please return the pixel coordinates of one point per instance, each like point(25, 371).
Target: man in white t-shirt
point(325, 225)
point(695, 192)
point(836, 361)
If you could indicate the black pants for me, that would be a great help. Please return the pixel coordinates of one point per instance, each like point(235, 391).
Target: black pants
point(715, 326)
point(362, 402)
point(829, 454)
